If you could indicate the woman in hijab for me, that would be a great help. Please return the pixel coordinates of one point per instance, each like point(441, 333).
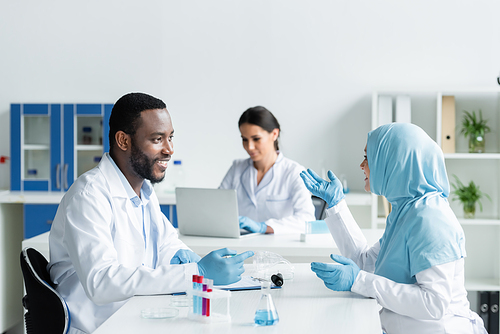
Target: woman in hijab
point(416, 270)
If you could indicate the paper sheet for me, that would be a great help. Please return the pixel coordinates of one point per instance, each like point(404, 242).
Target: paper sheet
point(246, 283)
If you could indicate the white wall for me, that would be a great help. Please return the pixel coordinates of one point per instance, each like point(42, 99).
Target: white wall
point(313, 63)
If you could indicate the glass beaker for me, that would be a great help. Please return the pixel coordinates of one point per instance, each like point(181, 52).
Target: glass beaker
point(266, 314)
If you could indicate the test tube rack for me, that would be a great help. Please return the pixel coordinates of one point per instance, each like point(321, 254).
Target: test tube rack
point(216, 303)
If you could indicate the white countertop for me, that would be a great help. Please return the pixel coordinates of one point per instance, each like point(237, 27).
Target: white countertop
point(304, 305)
point(54, 197)
point(317, 247)
point(31, 197)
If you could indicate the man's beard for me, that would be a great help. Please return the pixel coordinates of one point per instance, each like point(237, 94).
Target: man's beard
point(142, 165)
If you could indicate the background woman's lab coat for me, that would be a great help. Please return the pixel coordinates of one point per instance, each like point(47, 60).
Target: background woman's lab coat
point(97, 249)
point(281, 200)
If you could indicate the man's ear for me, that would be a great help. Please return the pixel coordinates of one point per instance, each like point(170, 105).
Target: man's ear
point(123, 141)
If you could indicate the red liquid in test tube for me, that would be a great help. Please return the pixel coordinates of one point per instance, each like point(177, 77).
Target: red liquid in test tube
point(208, 303)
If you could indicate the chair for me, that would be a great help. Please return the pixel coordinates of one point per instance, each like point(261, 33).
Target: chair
point(47, 311)
point(319, 207)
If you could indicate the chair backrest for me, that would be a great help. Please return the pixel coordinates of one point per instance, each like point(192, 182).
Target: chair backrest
point(319, 206)
point(47, 310)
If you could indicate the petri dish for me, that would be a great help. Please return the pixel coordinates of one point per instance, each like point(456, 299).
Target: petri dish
point(181, 301)
point(159, 313)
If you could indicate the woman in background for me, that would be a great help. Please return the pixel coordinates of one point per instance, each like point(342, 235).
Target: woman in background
point(271, 195)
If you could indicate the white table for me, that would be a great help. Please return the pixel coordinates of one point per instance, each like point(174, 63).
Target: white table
point(317, 247)
point(304, 305)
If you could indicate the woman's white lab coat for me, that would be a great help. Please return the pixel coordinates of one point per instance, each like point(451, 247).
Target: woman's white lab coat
point(281, 200)
point(97, 249)
point(436, 303)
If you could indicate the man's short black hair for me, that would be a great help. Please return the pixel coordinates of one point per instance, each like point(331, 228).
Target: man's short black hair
point(126, 114)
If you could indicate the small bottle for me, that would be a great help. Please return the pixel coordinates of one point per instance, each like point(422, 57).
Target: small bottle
point(175, 177)
point(32, 173)
point(100, 133)
point(344, 184)
point(266, 314)
point(87, 135)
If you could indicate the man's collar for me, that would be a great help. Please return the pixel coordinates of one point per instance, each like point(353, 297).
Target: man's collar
point(146, 188)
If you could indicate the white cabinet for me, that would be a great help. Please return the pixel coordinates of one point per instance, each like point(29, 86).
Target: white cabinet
point(482, 269)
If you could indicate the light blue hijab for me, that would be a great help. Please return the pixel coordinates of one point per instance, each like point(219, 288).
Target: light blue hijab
point(407, 167)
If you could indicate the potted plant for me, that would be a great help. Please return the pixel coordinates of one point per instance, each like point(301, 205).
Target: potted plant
point(475, 129)
point(468, 196)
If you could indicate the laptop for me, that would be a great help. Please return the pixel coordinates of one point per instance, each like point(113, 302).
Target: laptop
point(208, 213)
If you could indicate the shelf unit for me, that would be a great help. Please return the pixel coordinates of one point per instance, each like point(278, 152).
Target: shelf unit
point(482, 268)
point(52, 144)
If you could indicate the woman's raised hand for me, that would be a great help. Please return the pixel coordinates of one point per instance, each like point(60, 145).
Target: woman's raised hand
point(331, 191)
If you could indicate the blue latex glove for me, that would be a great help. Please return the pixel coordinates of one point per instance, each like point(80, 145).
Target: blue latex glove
point(185, 256)
point(331, 192)
point(252, 226)
point(223, 266)
point(337, 277)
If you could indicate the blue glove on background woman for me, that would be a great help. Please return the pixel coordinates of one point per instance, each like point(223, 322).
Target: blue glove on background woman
point(251, 225)
point(331, 192)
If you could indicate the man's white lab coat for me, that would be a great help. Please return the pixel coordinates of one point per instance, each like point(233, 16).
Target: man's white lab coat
point(97, 249)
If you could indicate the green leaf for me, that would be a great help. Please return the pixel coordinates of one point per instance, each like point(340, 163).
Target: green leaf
point(467, 194)
point(472, 126)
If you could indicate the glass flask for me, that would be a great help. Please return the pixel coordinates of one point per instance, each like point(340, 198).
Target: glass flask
point(266, 314)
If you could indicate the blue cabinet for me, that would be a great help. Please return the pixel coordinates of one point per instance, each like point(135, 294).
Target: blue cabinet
point(38, 218)
point(170, 212)
point(53, 144)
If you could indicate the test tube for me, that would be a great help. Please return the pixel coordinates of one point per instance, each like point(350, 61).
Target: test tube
point(204, 300)
point(199, 299)
point(210, 284)
point(195, 298)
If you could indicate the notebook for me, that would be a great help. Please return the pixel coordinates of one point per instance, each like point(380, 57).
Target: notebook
point(208, 213)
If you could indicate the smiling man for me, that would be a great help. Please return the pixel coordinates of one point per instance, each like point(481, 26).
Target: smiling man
point(109, 240)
